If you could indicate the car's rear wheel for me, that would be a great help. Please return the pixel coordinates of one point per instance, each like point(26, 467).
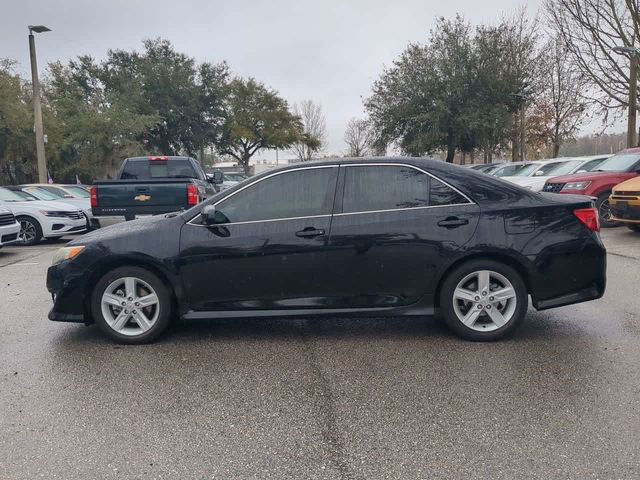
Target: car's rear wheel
point(483, 300)
point(131, 305)
point(604, 211)
point(634, 227)
point(30, 231)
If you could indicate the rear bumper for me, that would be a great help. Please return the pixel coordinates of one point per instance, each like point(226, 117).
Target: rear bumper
point(590, 293)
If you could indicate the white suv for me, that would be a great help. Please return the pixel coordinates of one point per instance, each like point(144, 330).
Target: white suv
point(9, 227)
point(40, 219)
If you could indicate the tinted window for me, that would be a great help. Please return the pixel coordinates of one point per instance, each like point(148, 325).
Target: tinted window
point(441, 194)
point(620, 162)
point(371, 188)
point(590, 165)
point(384, 188)
point(146, 169)
point(299, 193)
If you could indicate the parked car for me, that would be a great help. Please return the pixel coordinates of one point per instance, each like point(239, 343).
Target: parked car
point(510, 169)
point(485, 167)
point(62, 190)
point(231, 179)
point(600, 182)
point(368, 237)
point(39, 219)
point(39, 193)
point(152, 185)
point(537, 178)
point(9, 227)
point(625, 204)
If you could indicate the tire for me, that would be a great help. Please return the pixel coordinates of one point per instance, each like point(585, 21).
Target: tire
point(463, 282)
point(604, 212)
point(634, 227)
point(30, 230)
point(117, 311)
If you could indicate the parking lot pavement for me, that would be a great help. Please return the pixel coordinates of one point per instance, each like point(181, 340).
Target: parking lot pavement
point(322, 399)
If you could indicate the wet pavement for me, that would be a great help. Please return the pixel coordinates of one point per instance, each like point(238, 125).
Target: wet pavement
point(322, 399)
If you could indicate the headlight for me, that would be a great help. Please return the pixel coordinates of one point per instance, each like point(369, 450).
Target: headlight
point(52, 213)
point(576, 185)
point(66, 253)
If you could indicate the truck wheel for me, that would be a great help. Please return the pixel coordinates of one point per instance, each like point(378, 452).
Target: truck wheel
point(131, 305)
point(30, 230)
point(604, 211)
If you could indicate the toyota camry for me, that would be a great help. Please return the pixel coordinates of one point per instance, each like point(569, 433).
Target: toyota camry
point(357, 237)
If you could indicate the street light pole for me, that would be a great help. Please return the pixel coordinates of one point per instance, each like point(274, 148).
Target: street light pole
point(633, 53)
point(37, 108)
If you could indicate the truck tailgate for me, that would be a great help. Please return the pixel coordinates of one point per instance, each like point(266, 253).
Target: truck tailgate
point(141, 197)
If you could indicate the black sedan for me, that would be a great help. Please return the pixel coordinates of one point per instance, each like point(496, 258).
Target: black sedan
point(395, 236)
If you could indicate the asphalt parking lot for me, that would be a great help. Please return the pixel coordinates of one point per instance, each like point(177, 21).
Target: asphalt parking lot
point(322, 399)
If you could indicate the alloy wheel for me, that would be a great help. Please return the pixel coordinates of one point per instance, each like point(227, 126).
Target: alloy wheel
point(484, 301)
point(130, 306)
point(604, 210)
point(27, 232)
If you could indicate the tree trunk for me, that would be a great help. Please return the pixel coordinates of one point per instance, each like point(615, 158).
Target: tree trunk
point(556, 149)
point(245, 163)
point(451, 152)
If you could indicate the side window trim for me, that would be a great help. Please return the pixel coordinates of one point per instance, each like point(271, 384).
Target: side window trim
point(339, 210)
point(196, 217)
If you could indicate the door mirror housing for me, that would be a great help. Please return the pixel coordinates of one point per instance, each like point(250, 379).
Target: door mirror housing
point(217, 178)
point(208, 214)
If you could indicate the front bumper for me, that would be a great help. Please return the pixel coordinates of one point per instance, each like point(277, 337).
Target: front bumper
point(60, 226)
point(9, 233)
point(67, 285)
point(625, 211)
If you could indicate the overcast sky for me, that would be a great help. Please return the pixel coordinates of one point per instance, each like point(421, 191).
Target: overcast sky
point(329, 51)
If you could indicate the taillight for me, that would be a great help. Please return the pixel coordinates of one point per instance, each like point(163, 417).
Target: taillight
point(588, 216)
point(158, 157)
point(192, 194)
point(93, 191)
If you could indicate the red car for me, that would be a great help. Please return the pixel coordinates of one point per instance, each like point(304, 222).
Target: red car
point(599, 183)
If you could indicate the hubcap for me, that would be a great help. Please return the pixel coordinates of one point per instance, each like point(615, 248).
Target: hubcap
point(484, 301)
point(130, 306)
point(27, 231)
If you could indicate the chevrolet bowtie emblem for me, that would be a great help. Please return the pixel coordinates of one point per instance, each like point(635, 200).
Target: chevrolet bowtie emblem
point(142, 198)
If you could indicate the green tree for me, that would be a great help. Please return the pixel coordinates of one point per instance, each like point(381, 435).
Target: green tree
point(187, 98)
point(17, 143)
point(420, 103)
point(257, 118)
point(92, 129)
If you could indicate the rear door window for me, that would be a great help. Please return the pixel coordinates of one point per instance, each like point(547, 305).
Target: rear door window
point(391, 187)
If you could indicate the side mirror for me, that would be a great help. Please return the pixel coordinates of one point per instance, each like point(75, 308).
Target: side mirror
point(218, 177)
point(208, 215)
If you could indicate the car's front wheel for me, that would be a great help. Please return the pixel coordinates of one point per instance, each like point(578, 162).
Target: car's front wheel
point(604, 211)
point(483, 300)
point(131, 305)
point(30, 230)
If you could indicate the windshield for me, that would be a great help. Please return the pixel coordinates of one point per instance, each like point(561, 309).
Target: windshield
point(508, 170)
point(527, 170)
point(41, 194)
point(620, 162)
point(557, 168)
point(78, 191)
point(9, 196)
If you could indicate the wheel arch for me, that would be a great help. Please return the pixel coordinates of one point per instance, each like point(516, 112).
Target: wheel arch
point(124, 261)
point(500, 257)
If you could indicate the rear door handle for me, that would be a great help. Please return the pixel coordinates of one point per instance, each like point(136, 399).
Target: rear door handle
point(310, 232)
point(453, 222)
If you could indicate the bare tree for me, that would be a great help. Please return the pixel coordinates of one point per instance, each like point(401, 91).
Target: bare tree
point(359, 138)
point(563, 86)
point(590, 29)
point(314, 137)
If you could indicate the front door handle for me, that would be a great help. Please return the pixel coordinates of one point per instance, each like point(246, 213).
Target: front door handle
point(453, 222)
point(310, 232)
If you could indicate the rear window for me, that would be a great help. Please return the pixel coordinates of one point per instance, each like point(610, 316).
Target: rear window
point(150, 169)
